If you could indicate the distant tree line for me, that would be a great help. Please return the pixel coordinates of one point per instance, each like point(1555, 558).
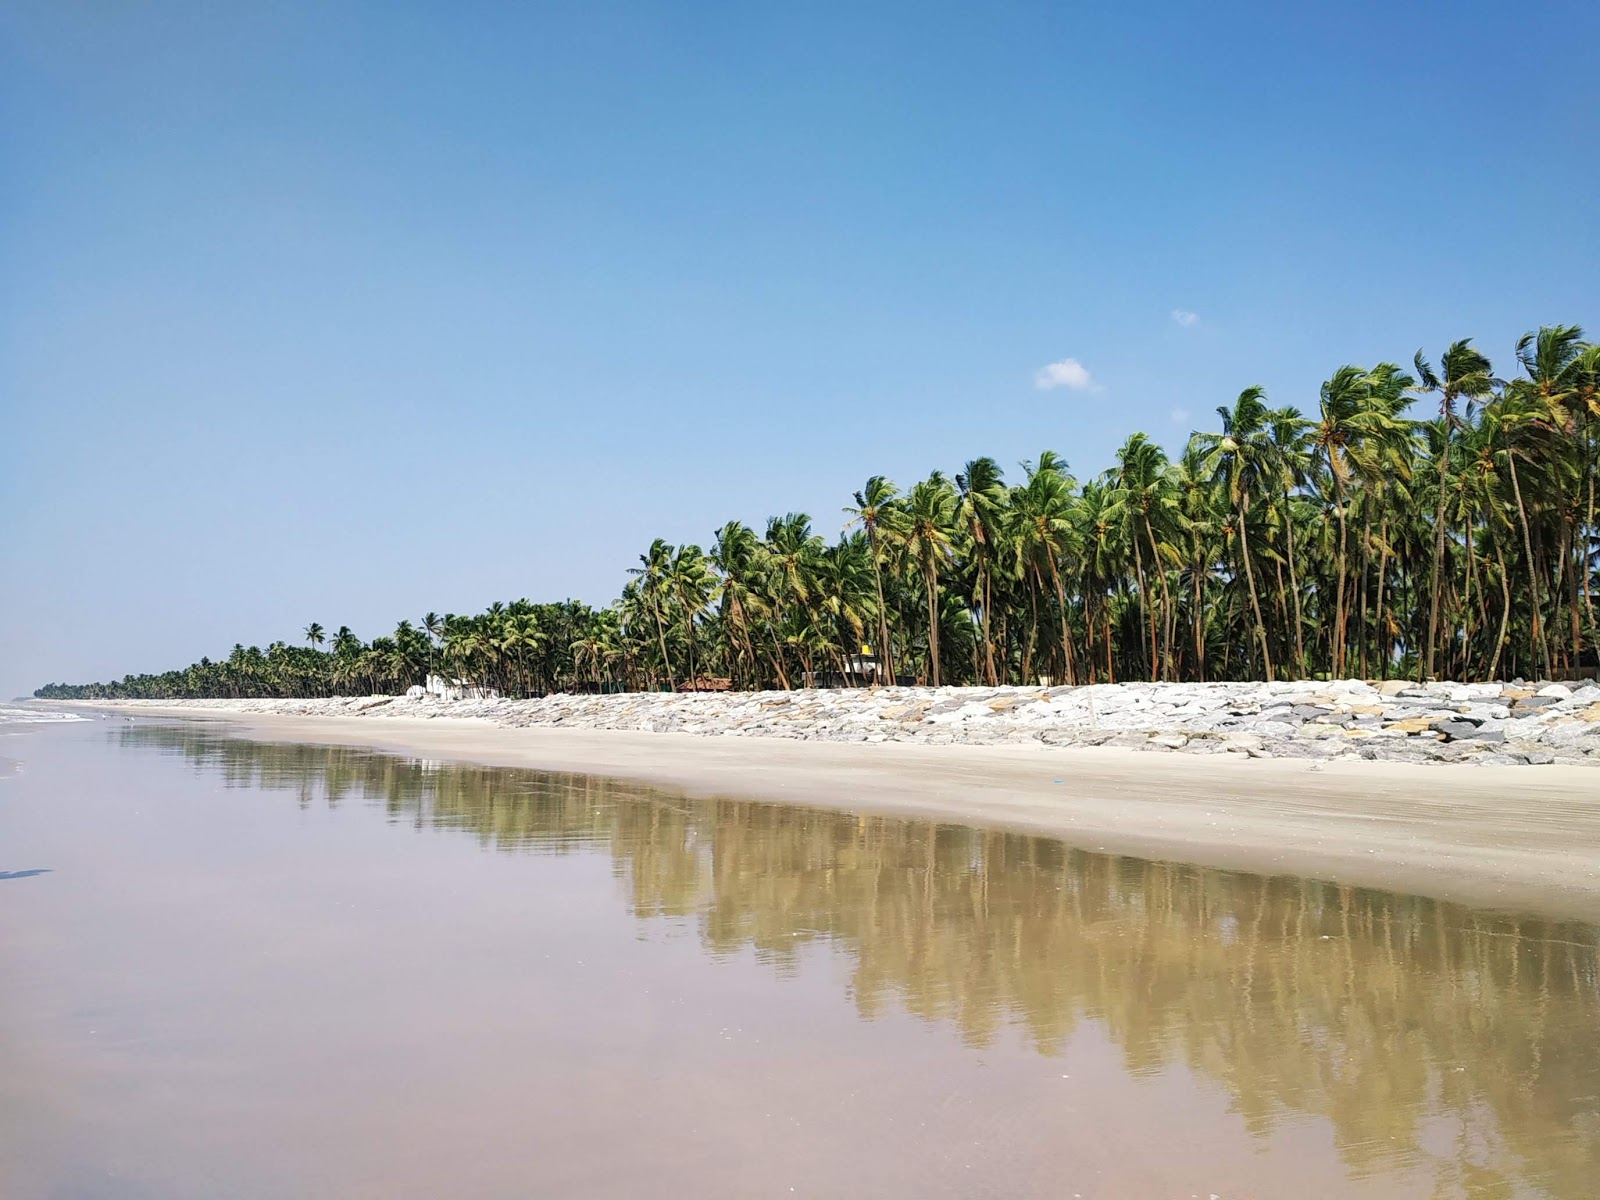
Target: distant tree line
point(1353, 540)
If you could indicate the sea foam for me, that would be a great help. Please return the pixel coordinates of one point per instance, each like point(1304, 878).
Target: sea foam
point(31, 716)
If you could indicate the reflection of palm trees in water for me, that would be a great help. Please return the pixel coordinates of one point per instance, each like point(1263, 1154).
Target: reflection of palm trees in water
point(1389, 1015)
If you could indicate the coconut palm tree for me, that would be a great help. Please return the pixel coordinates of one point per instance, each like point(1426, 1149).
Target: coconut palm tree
point(1464, 373)
point(1562, 374)
point(1144, 499)
point(981, 513)
point(690, 583)
point(874, 503)
point(737, 556)
point(1238, 459)
point(654, 572)
point(923, 528)
point(1044, 534)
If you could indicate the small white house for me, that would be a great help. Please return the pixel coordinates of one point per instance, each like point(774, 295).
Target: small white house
point(459, 689)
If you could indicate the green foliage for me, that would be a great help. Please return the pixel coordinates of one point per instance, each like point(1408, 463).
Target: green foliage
point(1356, 541)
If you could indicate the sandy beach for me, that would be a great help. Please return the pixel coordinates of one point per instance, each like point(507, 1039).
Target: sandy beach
point(1518, 838)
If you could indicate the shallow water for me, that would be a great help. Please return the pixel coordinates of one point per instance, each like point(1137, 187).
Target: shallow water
point(259, 969)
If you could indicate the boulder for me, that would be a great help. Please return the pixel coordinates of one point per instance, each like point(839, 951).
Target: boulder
point(1412, 724)
point(1464, 730)
point(1527, 704)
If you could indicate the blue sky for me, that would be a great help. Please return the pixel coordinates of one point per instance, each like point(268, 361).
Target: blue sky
point(345, 312)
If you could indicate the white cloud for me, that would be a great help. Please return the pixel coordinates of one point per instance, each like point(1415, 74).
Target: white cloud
point(1068, 373)
point(1185, 318)
point(1180, 416)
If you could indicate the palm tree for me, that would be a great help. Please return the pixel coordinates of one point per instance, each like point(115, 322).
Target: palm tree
point(843, 596)
point(314, 636)
point(1042, 516)
point(654, 571)
point(923, 528)
point(433, 625)
point(737, 556)
point(1561, 385)
point(1238, 458)
point(1196, 513)
point(1515, 427)
point(1463, 373)
point(690, 582)
point(1143, 498)
point(519, 636)
point(1098, 534)
point(981, 514)
point(873, 504)
point(1290, 471)
point(1383, 475)
point(1356, 435)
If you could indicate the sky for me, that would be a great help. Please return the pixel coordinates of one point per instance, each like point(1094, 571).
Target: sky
point(342, 312)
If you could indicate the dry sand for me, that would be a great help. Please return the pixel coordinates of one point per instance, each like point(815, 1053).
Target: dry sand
point(1517, 838)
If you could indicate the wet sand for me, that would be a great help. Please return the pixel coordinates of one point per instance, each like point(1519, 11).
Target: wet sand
point(1516, 838)
point(260, 968)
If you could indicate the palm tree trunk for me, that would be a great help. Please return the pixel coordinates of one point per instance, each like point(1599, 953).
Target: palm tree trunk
point(1146, 632)
point(1339, 667)
point(1066, 635)
point(661, 635)
point(1567, 560)
point(1294, 591)
point(1280, 600)
point(1470, 546)
point(750, 651)
point(694, 673)
point(1438, 550)
point(1196, 579)
point(1031, 638)
point(1105, 628)
point(1587, 532)
point(1255, 601)
point(930, 579)
point(1366, 555)
point(1505, 611)
point(1539, 642)
point(987, 587)
point(1166, 601)
point(1093, 665)
point(887, 658)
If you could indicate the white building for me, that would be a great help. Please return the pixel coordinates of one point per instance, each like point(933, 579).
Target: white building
point(459, 689)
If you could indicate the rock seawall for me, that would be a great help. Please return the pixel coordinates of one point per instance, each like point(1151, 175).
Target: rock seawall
point(1394, 721)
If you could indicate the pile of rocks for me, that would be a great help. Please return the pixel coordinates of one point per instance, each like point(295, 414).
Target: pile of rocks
point(1393, 721)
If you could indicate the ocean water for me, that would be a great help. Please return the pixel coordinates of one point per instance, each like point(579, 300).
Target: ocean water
point(12, 715)
point(256, 969)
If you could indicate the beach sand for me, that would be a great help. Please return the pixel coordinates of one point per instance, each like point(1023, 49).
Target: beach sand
point(1517, 838)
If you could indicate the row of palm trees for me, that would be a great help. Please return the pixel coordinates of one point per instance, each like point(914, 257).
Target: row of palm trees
point(1365, 538)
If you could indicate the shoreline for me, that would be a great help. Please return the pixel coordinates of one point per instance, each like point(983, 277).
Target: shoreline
point(1503, 837)
point(1322, 720)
